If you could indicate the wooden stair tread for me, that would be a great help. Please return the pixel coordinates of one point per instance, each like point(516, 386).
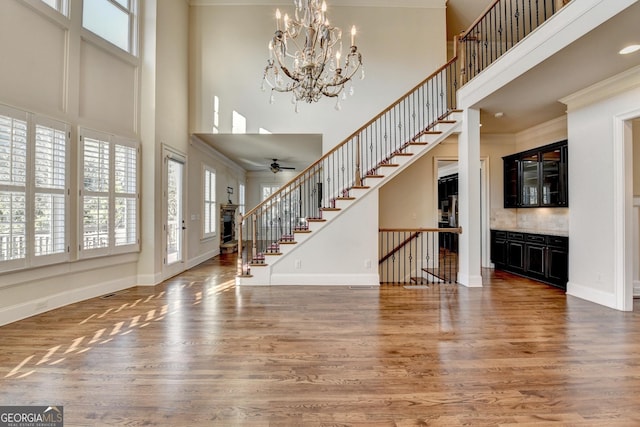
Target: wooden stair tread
point(302, 231)
point(418, 143)
point(373, 176)
point(345, 198)
point(316, 220)
point(331, 209)
point(287, 242)
point(403, 154)
point(432, 132)
point(272, 253)
point(361, 187)
point(258, 264)
point(392, 165)
point(447, 121)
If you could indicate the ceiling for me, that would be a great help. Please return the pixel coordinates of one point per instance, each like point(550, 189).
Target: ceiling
point(590, 59)
point(255, 152)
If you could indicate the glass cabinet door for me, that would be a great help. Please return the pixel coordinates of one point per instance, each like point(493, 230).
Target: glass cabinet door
point(530, 180)
point(550, 178)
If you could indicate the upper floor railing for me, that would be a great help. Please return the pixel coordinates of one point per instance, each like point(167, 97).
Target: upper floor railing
point(498, 29)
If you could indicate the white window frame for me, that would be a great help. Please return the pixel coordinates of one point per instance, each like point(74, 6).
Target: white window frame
point(132, 13)
point(61, 6)
point(111, 247)
point(209, 229)
point(30, 189)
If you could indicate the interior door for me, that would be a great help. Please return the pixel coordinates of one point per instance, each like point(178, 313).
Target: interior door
point(174, 221)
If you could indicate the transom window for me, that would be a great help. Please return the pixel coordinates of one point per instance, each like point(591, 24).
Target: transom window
point(113, 20)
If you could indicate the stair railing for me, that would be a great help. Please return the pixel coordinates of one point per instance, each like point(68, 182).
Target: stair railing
point(275, 221)
point(418, 256)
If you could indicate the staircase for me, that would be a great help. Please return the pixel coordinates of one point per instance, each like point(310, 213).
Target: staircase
point(375, 153)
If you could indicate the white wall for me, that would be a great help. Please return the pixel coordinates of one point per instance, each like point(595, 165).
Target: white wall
point(400, 47)
point(344, 252)
point(593, 171)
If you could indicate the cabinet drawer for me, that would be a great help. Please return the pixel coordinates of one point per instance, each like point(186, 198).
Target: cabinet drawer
point(499, 234)
point(516, 236)
point(536, 238)
point(558, 241)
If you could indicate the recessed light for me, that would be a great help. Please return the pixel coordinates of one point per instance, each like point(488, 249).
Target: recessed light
point(630, 49)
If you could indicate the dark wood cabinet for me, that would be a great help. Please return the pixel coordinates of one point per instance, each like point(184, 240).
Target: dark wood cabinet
point(537, 178)
point(537, 256)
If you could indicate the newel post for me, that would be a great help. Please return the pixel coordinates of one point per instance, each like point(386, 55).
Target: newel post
point(239, 222)
point(358, 173)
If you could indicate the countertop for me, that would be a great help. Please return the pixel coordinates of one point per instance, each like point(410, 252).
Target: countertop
point(534, 231)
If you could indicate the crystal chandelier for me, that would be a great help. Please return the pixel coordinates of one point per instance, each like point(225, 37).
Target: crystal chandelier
point(306, 51)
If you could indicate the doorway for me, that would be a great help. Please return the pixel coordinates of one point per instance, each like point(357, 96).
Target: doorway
point(174, 226)
point(448, 166)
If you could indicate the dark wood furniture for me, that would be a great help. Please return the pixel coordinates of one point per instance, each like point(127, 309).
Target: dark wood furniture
point(537, 178)
point(538, 256)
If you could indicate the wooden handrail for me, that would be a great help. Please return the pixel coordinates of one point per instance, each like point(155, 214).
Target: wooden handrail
point(354, 134)
point(397, 248)
point(480, 18)
point(457, 230)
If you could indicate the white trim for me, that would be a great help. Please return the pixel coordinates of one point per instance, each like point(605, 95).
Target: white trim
point(604, 89)
point(592, 295)
point(623, 209)
point(202, 258)
point(325, 279)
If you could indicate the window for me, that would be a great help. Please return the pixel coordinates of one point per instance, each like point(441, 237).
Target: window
point(33, 189)
point(209, 213)
point(239, 123)
point(61, 6)
point(113, 20)
point(109, 195)
point(216, 114)
point(241, 201)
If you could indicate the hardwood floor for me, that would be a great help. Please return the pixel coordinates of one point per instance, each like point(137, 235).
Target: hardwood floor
point(197, 351)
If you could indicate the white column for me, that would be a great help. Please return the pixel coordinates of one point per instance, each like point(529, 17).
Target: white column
point(469, 217)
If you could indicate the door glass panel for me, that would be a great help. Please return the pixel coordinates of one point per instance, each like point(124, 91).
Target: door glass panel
point(551, 177)
point(530, 180)
point(175, 172)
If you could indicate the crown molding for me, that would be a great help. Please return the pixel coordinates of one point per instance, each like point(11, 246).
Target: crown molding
point(422, 4)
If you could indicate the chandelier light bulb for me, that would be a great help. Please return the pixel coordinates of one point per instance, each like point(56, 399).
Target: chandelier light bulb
point(338, 59)
point(353, 35)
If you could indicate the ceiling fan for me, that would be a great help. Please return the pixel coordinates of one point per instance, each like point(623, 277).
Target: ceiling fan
point(275, 167)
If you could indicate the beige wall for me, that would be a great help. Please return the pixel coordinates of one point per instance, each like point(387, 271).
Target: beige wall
point(636, 157)
point(228, 58)
point(410, 199)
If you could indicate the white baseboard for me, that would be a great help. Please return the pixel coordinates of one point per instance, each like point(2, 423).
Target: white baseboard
point(470, 281)
point(636, 288)
point(592, 295)
point(325, 279)
point(37, 306)
point(202, 258)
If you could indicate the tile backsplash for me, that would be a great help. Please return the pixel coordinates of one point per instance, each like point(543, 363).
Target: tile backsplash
point(543, 219)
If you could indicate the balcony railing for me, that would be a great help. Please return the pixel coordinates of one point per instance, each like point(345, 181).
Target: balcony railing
point(503, 25)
